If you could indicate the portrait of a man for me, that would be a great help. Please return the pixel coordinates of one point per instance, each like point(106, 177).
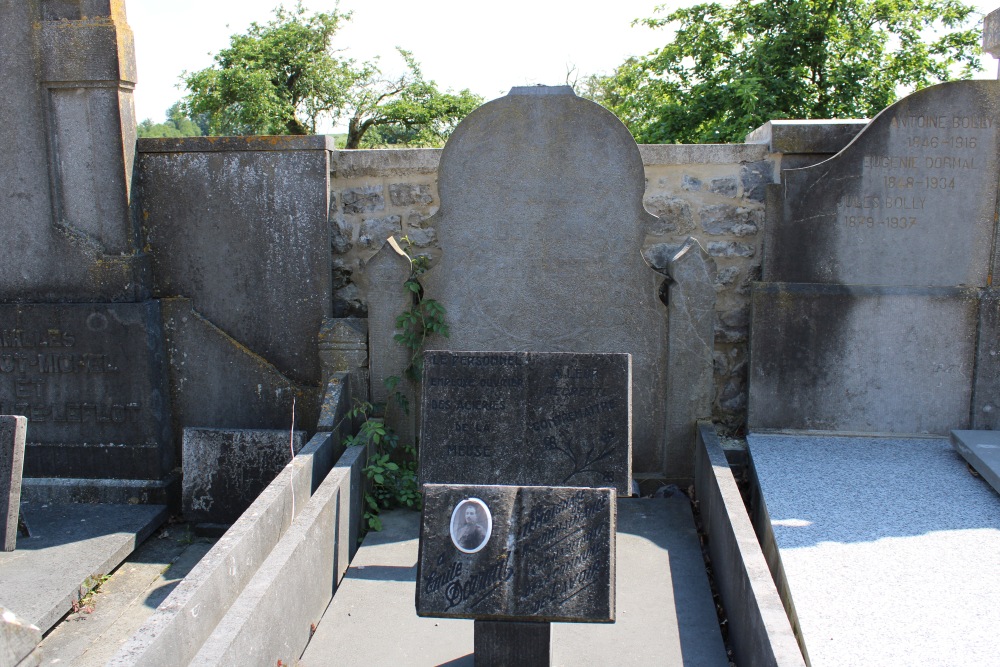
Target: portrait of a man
point(471, 525)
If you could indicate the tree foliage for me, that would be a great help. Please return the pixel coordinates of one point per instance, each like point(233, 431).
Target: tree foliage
point(731, 68)
point(406, 110)
point(178, 124)
point(284, 77)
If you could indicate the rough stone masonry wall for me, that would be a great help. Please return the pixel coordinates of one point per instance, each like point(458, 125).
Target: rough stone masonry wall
point(714, 193)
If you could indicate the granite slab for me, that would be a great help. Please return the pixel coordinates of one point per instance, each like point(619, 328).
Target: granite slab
point(888, 546)
point(982, 450)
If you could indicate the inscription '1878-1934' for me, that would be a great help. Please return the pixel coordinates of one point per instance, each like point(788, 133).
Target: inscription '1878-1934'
point(503, 552)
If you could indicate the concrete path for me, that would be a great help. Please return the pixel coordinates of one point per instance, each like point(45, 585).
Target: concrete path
point(70, 548)
point(890, 548)
point(90, 637)
point(665, 612)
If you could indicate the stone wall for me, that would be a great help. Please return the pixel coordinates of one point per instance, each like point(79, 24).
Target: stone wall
point(714, 193)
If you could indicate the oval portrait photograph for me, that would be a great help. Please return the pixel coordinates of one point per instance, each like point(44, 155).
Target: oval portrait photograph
point(471, 525)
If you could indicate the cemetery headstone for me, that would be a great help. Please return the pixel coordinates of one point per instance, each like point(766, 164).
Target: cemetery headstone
point(549, 187)
point(874, 274)
point(909, 202)
point(12, 431)
point(226, 469)
point(517, 553)
point(526, 418)
point(91, 380)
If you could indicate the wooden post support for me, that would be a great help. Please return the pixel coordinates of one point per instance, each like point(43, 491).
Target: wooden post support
point(510, 643)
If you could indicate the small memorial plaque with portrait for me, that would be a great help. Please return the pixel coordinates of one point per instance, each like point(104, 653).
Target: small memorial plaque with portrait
point(517, 553)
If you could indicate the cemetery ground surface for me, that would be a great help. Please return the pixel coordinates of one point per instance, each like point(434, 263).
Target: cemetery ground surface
point(664, 605)
point(74, 560)
point(886, 549)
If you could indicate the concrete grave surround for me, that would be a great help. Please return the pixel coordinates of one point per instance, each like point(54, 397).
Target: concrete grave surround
point(982, 450)
point(90, 380)
point(861, 359)
point(12, 431)
point(540, 553)
point(910, 201)
point(541, 224)
point(226, 469)
point(526, 418)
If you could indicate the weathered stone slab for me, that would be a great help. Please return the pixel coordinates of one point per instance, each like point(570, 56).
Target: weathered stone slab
point(12, 430)
point(861, 359)
point(982, 450)
point(226, 469)
point(909, 202)
point(18, 640)
point(517, 553)
point(382, 279)
point(217, 382)
point(549, 188)
point(66, 175)
point(986, 393)
point(526, 418)
point(244, 233)
point(90, 378)
point(991, 33)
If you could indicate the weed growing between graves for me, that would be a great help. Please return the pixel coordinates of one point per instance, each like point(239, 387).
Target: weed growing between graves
point(91, 587)
point(391, 467)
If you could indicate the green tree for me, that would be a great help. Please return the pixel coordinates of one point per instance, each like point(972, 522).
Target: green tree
point(278, 78)
point(730, 68)
point(283, 77)
point(405, 111)
point(176, 125)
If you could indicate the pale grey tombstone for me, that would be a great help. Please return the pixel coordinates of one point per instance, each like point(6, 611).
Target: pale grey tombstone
point(12, 432)
point(909, 202)
point(382, 279)
point(541, 226)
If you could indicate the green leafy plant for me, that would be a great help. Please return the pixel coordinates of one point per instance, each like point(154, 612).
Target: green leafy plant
point(391, 467)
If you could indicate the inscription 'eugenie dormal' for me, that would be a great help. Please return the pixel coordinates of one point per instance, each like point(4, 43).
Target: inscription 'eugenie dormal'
point(504, 552)
point(526, 418)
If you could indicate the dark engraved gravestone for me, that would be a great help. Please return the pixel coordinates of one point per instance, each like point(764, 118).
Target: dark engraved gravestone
point(526, 418)
point(517, 553)
point(12, 431)
point(91, 380)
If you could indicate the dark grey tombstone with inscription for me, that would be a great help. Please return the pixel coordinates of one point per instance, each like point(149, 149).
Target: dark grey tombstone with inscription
point(527, 418)
point(517, 553)
point(12, 431)
point(91, 380)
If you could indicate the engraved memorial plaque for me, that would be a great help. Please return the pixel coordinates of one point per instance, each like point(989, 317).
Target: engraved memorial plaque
point(90, 379)
point(517, 553)
point(909, 202)
point(526, 418)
